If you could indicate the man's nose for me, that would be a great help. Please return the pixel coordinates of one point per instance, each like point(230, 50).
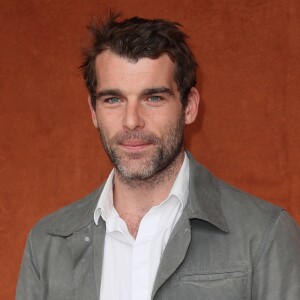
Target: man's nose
point(133, 118)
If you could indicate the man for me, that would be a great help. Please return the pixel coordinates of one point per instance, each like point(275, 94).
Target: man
point(161, 226)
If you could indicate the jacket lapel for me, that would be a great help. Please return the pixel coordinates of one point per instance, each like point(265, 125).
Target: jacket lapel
point(85, 241)
point(87, 248)
point(81, 247)
point(174, 253)
point(203, 203)
point(99, 237)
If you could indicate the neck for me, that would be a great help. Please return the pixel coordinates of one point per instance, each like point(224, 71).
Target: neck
point(134, 199)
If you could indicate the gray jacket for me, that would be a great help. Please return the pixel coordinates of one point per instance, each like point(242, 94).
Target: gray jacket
point(227, 245)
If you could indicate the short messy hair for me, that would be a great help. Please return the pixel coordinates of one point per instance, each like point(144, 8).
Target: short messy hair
point(137, 38)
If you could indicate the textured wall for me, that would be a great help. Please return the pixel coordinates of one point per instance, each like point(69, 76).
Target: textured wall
point(50, 155)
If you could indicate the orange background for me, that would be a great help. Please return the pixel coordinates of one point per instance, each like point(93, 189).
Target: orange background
point(247, 132)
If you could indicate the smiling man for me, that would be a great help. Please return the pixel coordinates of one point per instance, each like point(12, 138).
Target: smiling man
point(161, 226)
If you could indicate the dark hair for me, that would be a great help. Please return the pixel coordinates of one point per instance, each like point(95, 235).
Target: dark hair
point(137, 38)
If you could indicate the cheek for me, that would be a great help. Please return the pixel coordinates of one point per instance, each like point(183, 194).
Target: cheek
point(169, 128)
point(107, 119)
point(108, 127)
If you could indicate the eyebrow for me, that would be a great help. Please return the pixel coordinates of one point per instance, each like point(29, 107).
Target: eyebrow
point(108, 92)
point(146, 92)
point(158, 90)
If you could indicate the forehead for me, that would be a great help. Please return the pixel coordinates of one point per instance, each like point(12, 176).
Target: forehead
point(112, 70)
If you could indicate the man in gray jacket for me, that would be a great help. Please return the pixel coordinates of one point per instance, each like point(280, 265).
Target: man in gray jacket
point(161, 226)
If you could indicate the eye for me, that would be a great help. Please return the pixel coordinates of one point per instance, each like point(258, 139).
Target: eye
point(154, 98)
point(112, 100)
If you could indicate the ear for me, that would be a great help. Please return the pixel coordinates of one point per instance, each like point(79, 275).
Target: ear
point(93, 112)
point(191, 109)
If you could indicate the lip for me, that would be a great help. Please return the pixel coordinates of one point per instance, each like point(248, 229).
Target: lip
point(135, 145)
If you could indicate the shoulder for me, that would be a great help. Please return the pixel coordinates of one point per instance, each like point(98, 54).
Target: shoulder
point(235, 201)
point(71, 218)
point(225, 206)
point(257, 222)
point(241, 212)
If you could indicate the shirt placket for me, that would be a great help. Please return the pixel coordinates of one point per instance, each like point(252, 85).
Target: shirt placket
point(141, 256)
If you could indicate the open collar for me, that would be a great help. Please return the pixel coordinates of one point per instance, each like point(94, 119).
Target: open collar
point(203, 203)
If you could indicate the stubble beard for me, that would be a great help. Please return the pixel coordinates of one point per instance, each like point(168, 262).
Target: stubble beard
point(146, 169)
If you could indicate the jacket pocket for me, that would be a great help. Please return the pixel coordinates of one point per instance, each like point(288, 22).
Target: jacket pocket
point(213, 286)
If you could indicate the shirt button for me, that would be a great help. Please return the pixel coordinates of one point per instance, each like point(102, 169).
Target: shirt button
point(87, 239)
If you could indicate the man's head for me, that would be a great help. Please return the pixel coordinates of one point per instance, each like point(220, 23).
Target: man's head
point(137, 38)
point(140, 96)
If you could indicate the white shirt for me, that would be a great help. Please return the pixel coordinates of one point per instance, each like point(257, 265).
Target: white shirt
point(130, 265)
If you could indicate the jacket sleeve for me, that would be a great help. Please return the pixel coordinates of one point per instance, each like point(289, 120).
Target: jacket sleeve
point(276, 275)
point(28, 287)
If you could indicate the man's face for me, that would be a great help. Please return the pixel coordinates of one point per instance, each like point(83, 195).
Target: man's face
point(138, 113)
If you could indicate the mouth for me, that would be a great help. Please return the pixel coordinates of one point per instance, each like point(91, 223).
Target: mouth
point(135, 145)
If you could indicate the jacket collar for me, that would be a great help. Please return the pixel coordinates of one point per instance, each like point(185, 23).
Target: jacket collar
point(204, 196)
point(203, 203)
point(73, 217)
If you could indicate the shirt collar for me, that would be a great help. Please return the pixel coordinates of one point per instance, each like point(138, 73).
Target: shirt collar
point(105, 203)
point(180, 189)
